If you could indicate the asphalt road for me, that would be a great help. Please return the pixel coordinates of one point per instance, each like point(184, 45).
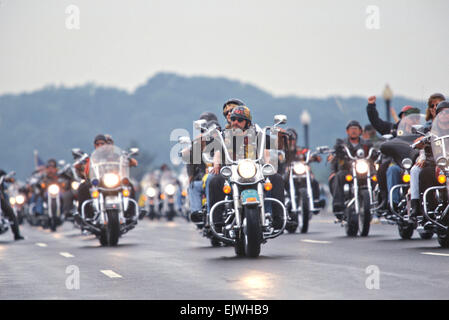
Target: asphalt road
point(161, 260)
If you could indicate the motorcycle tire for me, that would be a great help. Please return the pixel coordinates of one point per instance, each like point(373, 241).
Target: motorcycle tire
point(352, 222)
point(426, 235)
point(111, 232)
point(365, 214)
point(305, 210)
point(405, 230)
point(443, 240)
point(252, 232)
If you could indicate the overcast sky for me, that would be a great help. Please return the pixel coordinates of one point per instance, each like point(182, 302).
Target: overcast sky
point(304, 48)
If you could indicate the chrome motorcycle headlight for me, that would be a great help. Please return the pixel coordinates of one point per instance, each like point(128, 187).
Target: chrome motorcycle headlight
point(111, 180)
point(151, 192)
point(170, 189)
point(247, 169)
point(407, 163)
point(442, 162)
point(75, 185)
point(53, 189)
point(226, 172)
point(20, 199)
point(268, 170)
point(299, 168)
point(361, 166)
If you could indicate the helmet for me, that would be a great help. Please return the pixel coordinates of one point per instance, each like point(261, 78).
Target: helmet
point(237, 102)
point(408, 110)
point(99, 137)
point(442, 105)
point(242, 112)
point(353, 123)
point(109, 139)
point(208, 116)
point(292, 132)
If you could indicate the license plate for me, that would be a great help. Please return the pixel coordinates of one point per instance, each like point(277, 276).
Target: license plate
point(111, 200)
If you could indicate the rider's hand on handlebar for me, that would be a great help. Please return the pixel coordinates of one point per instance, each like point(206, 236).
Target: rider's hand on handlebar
point(372, 99)
point(330, 157)
point(419, 145)
point(216, 169)
point(420, 163)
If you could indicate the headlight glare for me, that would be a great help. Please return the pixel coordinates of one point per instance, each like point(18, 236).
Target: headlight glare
point(361, 167)
point(247, 169)
point(111, 180)
point(299, 168)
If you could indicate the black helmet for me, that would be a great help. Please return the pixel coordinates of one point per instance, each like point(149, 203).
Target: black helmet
point(100, 137)
point(442, 105)
point(237, 102)
point(353, 123)
point(292, 132)
point(208, 116)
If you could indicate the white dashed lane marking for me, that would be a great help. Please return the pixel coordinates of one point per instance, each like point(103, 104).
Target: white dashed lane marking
point(316, 241)
point(40, 244)
point(436, 254)
point(66, 254)
point(111, 274)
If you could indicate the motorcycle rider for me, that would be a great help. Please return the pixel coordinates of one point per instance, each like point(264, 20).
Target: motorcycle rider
point(389, 174)
point(241, 120)
point(422, 174)
point(8, 211)
point(295, 153)
point(340, 167)
point(84, 188)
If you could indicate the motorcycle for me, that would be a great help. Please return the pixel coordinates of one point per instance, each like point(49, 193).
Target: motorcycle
point(401, 149)
point(299, 200)
point(18, 201)
point(438, 216)
point(246, 225)
point(110, 191)
point(169, 188)
point(358, 191)
point(4, 221)
point(151, 195)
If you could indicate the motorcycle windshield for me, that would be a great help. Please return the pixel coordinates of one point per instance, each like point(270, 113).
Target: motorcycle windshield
point(406, 124)
point(242, 145)
point(440, 135)
point(108, 159)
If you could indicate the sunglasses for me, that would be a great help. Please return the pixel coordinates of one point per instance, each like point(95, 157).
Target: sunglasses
point(239, 120)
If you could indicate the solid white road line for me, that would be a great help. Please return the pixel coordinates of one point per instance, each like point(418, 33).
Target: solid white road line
point(111, 274)
point(316, 241)
point(66, 254)
point(40, 244)
point(436, 254)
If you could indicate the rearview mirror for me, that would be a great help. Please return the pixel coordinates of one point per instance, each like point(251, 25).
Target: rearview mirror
point(184, 140)
point(133, 151)
point(417, 128)
point(200, 124)
point(280, 119)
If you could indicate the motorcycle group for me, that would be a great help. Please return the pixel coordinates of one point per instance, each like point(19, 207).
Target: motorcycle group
point(243, 184)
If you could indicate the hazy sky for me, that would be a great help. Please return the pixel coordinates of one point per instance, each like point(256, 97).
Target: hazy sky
point(305, 48)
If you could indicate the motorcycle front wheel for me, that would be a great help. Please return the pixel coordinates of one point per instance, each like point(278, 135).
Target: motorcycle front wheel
point(111, 232)
point(252, 232)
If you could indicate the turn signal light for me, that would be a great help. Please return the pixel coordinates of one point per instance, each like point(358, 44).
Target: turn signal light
point(268, 186)
point(442, 179)
point(125, 192)
point(162, 196)
point(184, 193)
point(406, 178)
point(95, 194)
point(374, 178)
point(348, 178)
point(227, 189)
